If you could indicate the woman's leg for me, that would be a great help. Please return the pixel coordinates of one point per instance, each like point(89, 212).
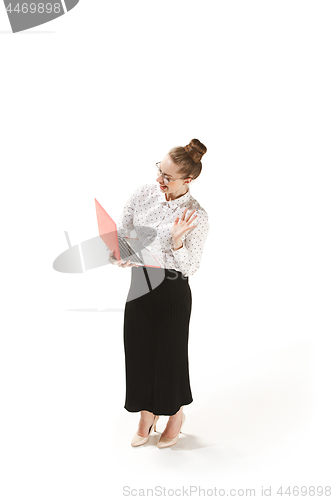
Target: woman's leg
point(145, 423)
point(173, 425)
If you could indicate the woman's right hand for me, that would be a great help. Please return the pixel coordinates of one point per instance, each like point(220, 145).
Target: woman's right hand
point(120, 263)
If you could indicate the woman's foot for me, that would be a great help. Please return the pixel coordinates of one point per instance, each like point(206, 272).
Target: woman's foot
point(145, 423)
point(172, 428)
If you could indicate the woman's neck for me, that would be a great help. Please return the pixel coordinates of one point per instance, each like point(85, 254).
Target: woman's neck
point(174, 196)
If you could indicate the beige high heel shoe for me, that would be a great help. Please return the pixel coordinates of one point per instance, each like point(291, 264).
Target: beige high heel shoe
point(139, 440)
point(165, 442)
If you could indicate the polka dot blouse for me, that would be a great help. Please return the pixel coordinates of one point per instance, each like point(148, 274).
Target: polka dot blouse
point(148, 216)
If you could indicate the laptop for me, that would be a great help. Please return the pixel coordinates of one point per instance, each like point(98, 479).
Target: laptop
point(124, 248)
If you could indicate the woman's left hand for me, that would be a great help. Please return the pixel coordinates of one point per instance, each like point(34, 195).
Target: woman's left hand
point(181, 226)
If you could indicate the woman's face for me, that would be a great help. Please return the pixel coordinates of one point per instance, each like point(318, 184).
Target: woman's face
point(175, 185)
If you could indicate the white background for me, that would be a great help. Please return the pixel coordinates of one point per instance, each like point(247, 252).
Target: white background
point(89, 102)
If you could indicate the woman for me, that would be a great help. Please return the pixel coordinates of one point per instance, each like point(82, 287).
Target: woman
point(156, 324)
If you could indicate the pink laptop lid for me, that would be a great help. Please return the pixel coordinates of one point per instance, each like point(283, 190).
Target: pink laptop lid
point(107, 229)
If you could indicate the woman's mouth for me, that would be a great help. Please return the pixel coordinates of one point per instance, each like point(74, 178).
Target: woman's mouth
point(162, 187)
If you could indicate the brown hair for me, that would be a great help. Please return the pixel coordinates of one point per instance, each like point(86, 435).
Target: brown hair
point(189, 158)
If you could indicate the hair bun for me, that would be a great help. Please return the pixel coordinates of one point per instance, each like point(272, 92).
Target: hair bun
point(196, 150)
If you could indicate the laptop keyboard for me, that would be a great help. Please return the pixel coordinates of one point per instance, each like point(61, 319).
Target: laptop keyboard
point(126, 251)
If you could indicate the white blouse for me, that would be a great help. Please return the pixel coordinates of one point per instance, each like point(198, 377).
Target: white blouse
point(151, 217)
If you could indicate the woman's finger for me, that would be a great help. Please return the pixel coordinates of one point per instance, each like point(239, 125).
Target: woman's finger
point(190, 215)
point(183, 216)
point(111, 257)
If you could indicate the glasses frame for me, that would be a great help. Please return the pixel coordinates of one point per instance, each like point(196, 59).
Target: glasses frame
point(166, 180)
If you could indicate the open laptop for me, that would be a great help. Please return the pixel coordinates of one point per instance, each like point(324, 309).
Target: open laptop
point(124, 248)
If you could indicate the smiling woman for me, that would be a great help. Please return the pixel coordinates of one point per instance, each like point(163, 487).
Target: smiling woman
point(156, 323)
point(180, 164)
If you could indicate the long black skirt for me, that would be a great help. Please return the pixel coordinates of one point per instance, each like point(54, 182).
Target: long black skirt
point(156, 332)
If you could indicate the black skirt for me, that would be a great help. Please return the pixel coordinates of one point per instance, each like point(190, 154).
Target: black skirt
point(156, 332)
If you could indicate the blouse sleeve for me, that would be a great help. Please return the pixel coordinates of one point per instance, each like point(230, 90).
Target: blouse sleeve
point(188, 257)
point(125, 221)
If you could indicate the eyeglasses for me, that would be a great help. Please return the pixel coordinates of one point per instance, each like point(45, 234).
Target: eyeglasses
point(166, 180)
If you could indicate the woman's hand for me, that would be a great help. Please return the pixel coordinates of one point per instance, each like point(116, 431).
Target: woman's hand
point(181, 226)
point(120, 263)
